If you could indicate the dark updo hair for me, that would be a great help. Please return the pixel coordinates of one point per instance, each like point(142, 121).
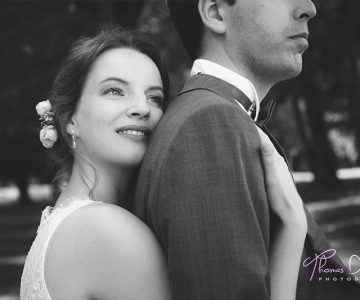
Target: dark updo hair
point(67, 88)
point(186, 18)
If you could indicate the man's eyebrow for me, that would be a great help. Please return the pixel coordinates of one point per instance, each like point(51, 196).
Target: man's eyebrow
point(115, 79)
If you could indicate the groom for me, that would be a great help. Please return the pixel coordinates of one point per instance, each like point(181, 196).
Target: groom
point(201, 186)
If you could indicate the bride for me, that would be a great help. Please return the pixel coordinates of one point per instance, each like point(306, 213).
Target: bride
point(104, 105)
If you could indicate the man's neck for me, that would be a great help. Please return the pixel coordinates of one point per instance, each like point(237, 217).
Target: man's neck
point(221, 58)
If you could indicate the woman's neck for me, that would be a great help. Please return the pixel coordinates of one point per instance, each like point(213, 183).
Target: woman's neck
point(114, 187)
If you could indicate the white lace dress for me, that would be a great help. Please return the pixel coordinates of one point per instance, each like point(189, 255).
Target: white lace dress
point(33, 284)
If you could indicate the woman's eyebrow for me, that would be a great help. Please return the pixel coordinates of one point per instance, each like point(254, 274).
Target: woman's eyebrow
point(156, 88)
point(115, 79)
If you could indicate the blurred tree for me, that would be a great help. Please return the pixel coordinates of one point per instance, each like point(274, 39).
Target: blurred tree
point(127, 12)
point(156, 23)
point(332, 82)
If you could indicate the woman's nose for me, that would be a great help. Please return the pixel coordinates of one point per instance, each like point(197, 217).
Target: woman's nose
point(139, 108)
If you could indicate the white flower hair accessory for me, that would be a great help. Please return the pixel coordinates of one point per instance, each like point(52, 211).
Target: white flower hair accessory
point(48, 133)
point(43, 108)
point(48, 136)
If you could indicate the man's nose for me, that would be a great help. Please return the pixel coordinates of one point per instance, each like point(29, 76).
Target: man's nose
point(306, 10)
point(139, 108)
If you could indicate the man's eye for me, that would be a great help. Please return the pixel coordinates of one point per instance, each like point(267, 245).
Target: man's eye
point(114, 92)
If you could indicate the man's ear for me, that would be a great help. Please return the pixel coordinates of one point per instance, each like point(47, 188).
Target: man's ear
point(71, 128)
point(211, 15)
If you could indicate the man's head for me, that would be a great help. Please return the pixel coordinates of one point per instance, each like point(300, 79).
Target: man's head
point(261, 39)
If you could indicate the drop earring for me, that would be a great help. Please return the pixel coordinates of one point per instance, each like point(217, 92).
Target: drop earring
point(73, 139)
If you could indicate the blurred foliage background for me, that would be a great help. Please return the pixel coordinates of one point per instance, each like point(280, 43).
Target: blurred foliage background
point(317, 118)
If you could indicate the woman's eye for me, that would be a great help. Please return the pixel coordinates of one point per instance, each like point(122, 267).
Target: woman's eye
point(157, 100)
point(114, 92)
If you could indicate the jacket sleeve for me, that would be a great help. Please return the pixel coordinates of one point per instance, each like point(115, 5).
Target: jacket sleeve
point(211, 213)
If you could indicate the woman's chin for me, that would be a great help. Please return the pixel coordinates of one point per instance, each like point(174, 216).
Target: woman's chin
point(131, 159)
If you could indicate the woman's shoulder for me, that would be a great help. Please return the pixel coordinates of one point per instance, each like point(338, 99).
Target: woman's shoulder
point(102, 242)
point(100, 218)
point(100, 214)
point(104, 223)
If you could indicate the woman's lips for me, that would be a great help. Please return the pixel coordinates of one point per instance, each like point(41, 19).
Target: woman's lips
point(134, 131)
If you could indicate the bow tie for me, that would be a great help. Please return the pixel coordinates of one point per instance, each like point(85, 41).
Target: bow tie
point(267, 107)
point(228, 91)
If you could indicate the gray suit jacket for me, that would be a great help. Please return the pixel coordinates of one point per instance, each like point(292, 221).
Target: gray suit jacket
point(201, 190)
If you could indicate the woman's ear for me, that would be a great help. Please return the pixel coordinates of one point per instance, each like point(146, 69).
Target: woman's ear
point(211, 15)
point(71, 128)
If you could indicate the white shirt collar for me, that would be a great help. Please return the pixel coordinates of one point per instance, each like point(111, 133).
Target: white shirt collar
point(243, 84)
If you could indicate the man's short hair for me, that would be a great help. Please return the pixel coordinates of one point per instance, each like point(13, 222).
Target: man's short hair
point(187, 21)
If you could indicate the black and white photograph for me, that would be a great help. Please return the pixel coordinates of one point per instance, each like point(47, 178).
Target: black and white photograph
point(180, 150)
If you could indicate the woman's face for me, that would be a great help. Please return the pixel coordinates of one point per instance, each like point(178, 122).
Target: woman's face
point(119, 107)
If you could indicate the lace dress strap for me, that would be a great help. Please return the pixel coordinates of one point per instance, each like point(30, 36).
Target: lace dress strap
point(33, 285)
